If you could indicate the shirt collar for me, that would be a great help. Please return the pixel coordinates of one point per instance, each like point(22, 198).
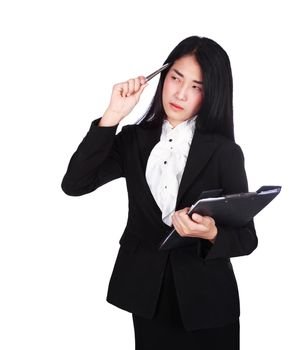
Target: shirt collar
point(186, 125)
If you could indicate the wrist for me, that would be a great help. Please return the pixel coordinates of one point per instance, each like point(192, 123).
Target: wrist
point(212, 240)
point(109, 118)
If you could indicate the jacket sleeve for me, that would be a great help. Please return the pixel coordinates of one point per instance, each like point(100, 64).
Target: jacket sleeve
point(231, 241)
point(96, 161)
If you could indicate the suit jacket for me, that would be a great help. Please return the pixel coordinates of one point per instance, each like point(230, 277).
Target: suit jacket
point(205, 282)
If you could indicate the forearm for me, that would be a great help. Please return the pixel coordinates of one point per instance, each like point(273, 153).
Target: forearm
point(96, 161)
point(232, 242)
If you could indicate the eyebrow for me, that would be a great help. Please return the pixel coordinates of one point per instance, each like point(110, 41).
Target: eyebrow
point(182, 76)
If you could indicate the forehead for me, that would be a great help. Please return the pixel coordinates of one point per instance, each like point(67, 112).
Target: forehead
point(189, 67)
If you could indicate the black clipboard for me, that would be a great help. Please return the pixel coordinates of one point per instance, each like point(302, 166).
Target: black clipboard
point(233, 210)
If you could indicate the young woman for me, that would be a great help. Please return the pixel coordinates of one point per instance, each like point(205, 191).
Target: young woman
point(183, 298)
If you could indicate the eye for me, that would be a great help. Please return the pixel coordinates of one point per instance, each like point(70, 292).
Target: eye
point(175, 78)
point(196, 87)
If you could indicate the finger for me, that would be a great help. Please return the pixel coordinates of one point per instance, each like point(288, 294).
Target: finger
point(131, 86)
point(182, 211)
point(184, 214)
point(198, 218)
point(181, 222)
point(207, 221)
point(189, 225)
point(118, 89)
point(142, 87)
point(210, 219)
point(177, 226)
point(186, 209)
point(137, 84)
point(124, 89)
point(142, 79)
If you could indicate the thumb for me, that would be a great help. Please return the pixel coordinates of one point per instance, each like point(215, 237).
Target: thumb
point(139, 92)
point(142, 87)
point(197, 217)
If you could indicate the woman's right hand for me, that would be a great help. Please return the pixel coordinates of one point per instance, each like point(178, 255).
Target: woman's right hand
point(124, 98)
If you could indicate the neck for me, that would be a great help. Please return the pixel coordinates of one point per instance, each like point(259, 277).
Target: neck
point(174, 123)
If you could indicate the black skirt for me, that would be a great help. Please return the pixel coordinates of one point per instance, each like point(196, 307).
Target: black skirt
point(166, 330)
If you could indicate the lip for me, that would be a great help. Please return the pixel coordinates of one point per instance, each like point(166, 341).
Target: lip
point(176, 107)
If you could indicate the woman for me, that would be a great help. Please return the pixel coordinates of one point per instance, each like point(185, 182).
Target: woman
point(185, 297)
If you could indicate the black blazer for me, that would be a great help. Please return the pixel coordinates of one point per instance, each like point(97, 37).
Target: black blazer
point(205, 282)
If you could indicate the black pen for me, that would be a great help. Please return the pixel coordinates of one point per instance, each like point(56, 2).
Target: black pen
point(149, 77)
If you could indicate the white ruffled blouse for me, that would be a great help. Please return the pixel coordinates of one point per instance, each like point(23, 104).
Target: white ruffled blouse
point(165, 165)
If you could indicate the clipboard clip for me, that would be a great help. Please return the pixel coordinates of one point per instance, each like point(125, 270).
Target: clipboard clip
point(207, 194)
point(210, 194)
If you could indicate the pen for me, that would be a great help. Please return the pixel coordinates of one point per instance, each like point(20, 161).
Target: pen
point(149, 77)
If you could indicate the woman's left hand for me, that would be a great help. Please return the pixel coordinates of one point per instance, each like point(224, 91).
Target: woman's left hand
point(197, 226)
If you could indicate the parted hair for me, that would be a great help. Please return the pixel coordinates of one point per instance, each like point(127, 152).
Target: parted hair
point(216, 113)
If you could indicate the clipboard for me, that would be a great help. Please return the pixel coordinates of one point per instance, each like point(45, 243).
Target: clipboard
point(234, 210)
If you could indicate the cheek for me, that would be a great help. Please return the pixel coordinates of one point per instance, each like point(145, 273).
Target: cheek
point(197, 102)
point(167, 89)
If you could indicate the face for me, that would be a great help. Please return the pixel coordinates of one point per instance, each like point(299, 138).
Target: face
point(183, 92)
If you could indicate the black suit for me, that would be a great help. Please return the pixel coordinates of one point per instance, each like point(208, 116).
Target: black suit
point(205, 283)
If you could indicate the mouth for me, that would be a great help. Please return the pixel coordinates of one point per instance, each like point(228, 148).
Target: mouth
point(176, 107)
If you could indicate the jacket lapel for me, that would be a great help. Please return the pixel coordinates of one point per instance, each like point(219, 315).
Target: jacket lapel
point(147, 139)
point(201, 149)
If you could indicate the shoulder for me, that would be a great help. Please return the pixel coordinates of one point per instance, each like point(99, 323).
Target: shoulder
point(227, 148)
point(226, 143)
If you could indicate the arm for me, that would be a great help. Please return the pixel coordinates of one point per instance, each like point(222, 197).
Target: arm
point(230, 241)
point(96, 161)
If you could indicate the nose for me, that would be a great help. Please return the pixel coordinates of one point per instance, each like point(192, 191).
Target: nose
point(181, 93)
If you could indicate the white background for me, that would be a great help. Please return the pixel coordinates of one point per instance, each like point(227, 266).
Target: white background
point(59, 60)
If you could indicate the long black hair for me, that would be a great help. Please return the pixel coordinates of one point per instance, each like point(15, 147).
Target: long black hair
point(216, 112)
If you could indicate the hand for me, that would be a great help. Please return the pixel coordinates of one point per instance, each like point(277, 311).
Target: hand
point(124, 97)
point(199, 226)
